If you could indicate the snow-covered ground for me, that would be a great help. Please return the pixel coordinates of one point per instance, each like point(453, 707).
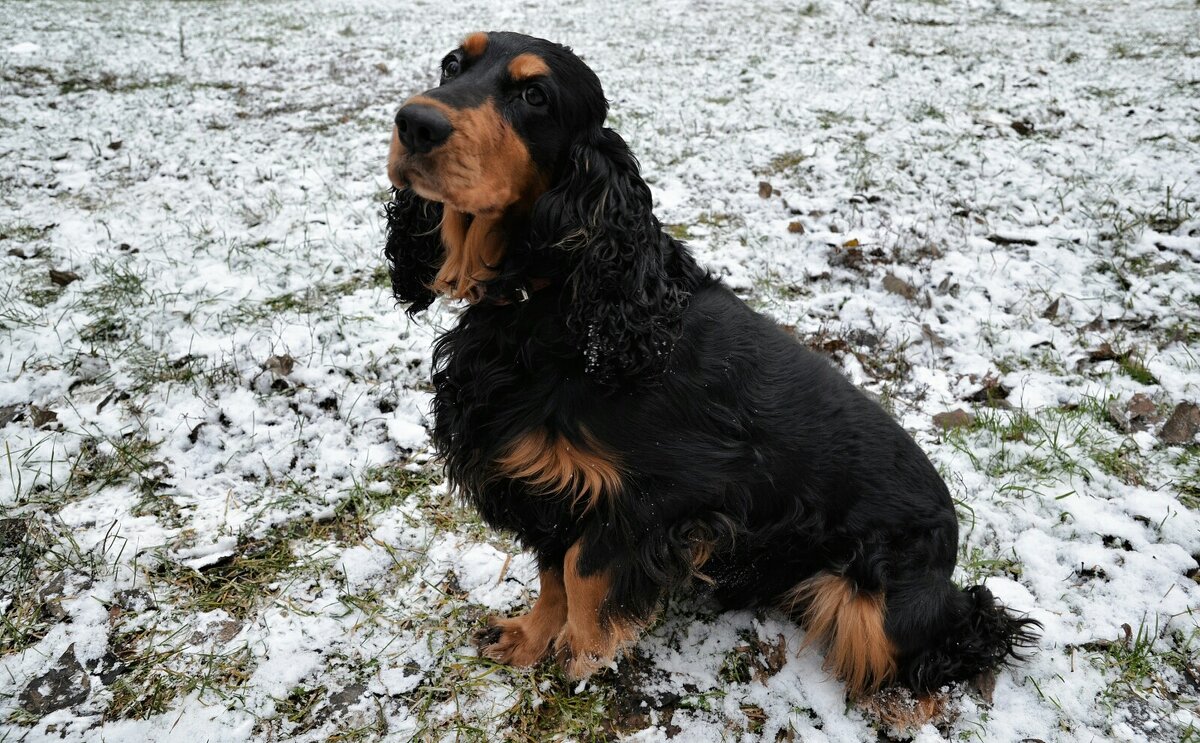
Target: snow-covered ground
point(218, 519)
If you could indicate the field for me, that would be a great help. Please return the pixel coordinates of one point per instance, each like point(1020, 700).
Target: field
point(220, 518)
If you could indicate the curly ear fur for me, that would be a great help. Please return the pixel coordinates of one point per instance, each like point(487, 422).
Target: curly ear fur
point(626, 282)
point(414, 249)
point(981, 635)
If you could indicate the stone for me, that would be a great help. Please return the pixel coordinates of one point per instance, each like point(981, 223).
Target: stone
point(340, 701)
point(65, 685)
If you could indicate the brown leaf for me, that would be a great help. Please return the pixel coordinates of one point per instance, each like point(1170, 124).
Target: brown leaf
point(765, 190)
point(1051, 312)
point(851, 258)
point(851, 243)
point(897, 285)
point(1136, 415)
point(772, 658)
point(63, 278)
point(281, 366)
point(41, 416)
point(1141, 406)
point(1103, 353)
point(1024, 128)
point(796, 228)
point(936, 340)
point(1182, 426)
point(9, 413)
point(985, 685)
point(953, 419)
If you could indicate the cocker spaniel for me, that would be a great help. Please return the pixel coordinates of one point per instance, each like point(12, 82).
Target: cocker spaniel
point(634, 423)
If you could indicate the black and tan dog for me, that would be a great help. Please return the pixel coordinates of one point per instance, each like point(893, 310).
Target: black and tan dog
point(633, 422)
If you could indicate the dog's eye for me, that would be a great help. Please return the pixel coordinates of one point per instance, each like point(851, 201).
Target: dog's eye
point(450, 68)
point(534, 95)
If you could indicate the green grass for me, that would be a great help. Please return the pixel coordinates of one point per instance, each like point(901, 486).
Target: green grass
point(1187, 482)
point(1044, 453)
point(1138, 661)
point(786, 161)
point(292, 520)
point(20, 232)
point(239, 584)
point(160, 671)
point(112, 83)
point(979, 564)
point(318, 300)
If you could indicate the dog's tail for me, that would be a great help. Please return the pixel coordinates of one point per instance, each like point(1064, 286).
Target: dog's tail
point(975, 634)
point(921, 633)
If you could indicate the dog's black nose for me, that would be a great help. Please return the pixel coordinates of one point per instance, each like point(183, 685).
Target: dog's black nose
point(421, 128)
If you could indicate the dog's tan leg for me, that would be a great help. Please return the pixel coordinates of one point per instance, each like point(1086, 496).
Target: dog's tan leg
point(524, 640)
point(591, 639)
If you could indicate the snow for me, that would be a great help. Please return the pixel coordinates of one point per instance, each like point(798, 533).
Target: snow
point(214, 176)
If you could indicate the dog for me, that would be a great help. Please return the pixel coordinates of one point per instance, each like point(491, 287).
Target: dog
point(632, 422)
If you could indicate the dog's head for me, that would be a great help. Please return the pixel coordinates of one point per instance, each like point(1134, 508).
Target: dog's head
point(483, 147)
point(491, 137)
point(506, 177)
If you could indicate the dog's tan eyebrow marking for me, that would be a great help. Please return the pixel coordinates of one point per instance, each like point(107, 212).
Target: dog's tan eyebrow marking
point(525, 66)
point(475, 44)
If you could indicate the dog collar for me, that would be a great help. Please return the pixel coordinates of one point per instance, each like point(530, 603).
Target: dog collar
point(520, 293)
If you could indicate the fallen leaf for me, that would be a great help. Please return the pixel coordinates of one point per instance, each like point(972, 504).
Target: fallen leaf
point(63, 278)
point(280, 365)
point(1182, 426)
point(41, 416)
point(953, 419)
point(935, 339)
point(1103, 353)
point(985, 685)
point(9, 413)
point(1024, 128)
point(897, 285)
point(1002, 240)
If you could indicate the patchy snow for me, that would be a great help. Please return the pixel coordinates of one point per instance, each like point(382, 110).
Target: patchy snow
point(224, 411)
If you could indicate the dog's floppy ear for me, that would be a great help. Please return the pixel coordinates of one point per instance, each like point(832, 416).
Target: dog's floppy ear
point(624, 301)
point(414, 249)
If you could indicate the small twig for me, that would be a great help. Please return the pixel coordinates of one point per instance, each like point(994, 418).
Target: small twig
point(504, 569)
point(182, 53)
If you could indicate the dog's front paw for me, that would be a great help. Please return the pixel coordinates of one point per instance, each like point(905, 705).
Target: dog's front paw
point(580, 656)
point(582, 649)
point(518, 641)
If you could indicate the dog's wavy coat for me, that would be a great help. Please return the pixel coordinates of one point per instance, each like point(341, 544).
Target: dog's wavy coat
point(633, 422)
